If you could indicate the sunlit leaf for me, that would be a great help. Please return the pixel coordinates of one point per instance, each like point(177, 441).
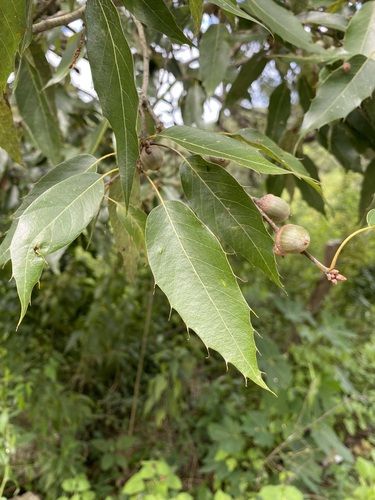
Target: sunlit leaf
point(368, 188)
point(234, 9)
point(196, 9)
point(50, 222)
point(360, 35)
point(334, 21)
point(221, 203)
point(113, 73)
point(340, 93)
point(191, 268)
point(371, 218)
point(282, 22)
point(76, 165)
point(208, 143)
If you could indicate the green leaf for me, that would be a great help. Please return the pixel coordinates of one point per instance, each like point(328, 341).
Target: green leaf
point(340, 93)
point(371, 218)
point(64, 66)
point(329, 56)
point(12, 28)
point(157, 16)
point(191, 268)
point(282, 22)
point(113, 73)
point(267, 146)
point(278, 112)
point(368, 188)
point(280, 492)
point(196, 9)
point(360, 35)
point(9, 139)
point(232, 8)
point(208, 143)
point(309, 194)
point(248, 73)
point(338, 139)
point(37, 109)
point(128, 228)
point(192, 105)
point(49, 223)
point(221, 203)
point(333, 21)
point(76, 165)
point(214, 56)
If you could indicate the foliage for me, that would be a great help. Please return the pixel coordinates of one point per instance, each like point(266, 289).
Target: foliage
point(101, 396)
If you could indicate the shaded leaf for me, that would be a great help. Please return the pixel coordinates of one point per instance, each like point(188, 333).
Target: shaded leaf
point(128, 229)
point(309, 194)
point(340, 93)
point(50, 222)
point(214, 57)
point(234, 9)
point(221, 203)
point(192, 105)
point(157, 16)
point(278, 112)
point(329, 56)
point(360, 35)
point(113, 73)
point(249, 72)
point(191, 268)
point(76, 165)
point(94, 138)
point(334, 21)
point(37, 110)
point(368, 188)
point(196, 9)
point(12, 28)
point(305, 92)
point(9, 139)
point(338, 139)
point(64, 66)
point(282, 22)
point(220, 146)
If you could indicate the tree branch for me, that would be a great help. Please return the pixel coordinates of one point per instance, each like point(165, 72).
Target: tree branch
point(145, 104)
point(60, 20)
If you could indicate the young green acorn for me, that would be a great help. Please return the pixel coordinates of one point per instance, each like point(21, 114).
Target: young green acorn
point(291, 239)
point(152, 157)
point(275, 207)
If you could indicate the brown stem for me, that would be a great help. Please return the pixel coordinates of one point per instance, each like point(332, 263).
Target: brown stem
point(60, 20)
point(145, 104)
point(137, 383)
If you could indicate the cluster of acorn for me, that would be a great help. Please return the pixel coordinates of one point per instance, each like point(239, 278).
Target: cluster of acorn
point(289, 238)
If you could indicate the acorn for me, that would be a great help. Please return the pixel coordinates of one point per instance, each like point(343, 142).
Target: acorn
point(275, 207)
point(291, 239)
point(152, 157)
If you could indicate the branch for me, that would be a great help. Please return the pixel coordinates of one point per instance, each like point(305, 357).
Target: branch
point(145, 104)
point(60, 20)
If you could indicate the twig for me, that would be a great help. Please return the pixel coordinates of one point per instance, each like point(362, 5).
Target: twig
point(61, 20)
point(137, 383)
point(332, 275)
point(145, 104)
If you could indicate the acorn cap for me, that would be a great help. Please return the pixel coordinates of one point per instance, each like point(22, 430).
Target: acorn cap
point(291, 239)
point(275, 207)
